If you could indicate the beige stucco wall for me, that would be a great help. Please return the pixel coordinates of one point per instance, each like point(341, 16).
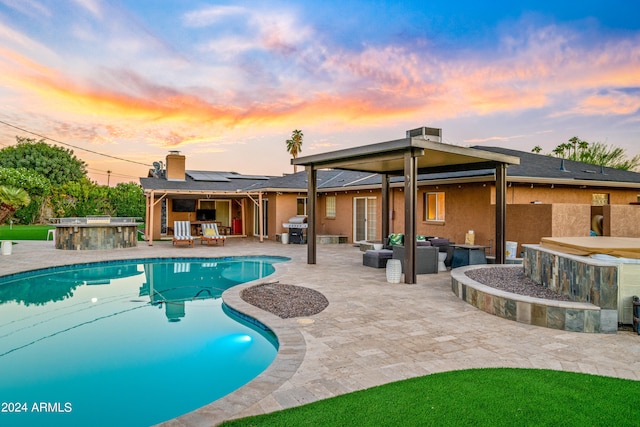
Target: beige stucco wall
point(469, 206)
point(523, 193)
point(621, 220)
point(529, 223)
point(570, 220)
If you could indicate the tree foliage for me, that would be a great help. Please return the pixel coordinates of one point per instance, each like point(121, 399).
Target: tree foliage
point(127, 200)
point(56, 182)
point(81, 198)
point(294, 145)
point(595, 153)
point(11, 198)
point(32, 182)
point(58, 164)
point(37, 186)
point(14, 197)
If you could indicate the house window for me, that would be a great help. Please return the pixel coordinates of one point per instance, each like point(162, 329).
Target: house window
point(599, 199)
point(330, 208)
point(434, 206)
point(301, 206)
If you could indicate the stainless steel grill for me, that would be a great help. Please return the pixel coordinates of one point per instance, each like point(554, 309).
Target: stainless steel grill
point(298, 221)
point(296, 226)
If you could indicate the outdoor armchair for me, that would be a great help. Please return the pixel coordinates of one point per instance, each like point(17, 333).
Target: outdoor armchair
point(182, 233)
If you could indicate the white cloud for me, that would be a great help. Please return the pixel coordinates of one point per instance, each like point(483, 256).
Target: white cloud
point(212, 15)
point(31, 8)
point(92, 6)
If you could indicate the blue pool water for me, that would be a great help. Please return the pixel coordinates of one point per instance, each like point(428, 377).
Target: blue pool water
point(125, 343)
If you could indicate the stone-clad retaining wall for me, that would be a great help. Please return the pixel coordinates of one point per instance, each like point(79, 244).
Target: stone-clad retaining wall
point(579, 278)
point(563, 315)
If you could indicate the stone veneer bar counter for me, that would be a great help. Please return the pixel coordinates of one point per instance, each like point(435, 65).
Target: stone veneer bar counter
point(95, 233)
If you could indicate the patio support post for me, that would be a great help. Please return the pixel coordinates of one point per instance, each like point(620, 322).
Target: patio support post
point(243, 214)
point(261, 219)
point(385, 206)
point(149, 224)
point(501, 211)
point(410, 195)
point(311, 213)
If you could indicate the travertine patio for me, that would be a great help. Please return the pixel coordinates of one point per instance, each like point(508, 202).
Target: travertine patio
point(371, 333)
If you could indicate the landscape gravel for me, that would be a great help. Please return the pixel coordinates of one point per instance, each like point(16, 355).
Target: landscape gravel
point(285, 301)
point(513, 279)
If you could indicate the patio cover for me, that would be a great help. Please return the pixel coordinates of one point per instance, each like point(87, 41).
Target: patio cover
point(407, 157)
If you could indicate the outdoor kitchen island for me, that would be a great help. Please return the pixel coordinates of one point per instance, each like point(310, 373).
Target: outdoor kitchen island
point(95, 233)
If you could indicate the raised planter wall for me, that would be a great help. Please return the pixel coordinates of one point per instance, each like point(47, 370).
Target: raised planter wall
point(562, 315)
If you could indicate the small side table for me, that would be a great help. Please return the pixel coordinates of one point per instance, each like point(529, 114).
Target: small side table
point(442, 256)
point(468, 255)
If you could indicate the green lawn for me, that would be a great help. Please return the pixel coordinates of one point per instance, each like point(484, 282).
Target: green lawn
point(31, 232)
point(24, 232)
point(475, 397)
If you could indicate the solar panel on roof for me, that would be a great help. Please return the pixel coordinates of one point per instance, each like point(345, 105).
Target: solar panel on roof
point(207, 176)
point(238, 176)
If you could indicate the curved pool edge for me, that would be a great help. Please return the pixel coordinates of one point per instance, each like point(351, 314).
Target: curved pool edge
point(252, 398)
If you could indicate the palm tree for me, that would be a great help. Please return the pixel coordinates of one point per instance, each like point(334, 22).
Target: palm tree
point(573, 142)
point(294, 146)
point(11, 198)
point(537, 149)
point(595, 153)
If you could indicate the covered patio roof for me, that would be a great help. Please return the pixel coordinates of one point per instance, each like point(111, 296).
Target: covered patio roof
point(408, 157)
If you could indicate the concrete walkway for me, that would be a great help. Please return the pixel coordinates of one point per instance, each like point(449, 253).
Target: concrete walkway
point(371, 333)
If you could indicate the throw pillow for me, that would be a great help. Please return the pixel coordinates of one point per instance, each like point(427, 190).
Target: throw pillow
point(209, 232)
point(396, 239)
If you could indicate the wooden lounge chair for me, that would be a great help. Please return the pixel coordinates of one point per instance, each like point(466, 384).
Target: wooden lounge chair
point(210, 234)
point(182, 233)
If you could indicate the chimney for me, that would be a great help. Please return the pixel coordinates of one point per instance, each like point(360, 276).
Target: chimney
point(175, 166)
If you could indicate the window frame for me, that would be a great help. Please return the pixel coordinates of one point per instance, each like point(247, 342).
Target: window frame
point(327, 213)
point(304, 204)
point(440, 211)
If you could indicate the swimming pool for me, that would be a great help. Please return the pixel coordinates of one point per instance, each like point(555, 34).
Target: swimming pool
point(125, 343)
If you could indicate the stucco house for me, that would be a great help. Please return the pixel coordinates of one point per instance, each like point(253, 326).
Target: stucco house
point(546, 196)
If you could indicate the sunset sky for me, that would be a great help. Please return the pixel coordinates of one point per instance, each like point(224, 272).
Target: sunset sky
point(226, 83)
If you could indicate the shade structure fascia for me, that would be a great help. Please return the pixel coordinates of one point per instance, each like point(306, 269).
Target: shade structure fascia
point(388, 157)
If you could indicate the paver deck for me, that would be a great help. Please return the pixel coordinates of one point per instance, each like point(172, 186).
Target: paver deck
point(371, 333)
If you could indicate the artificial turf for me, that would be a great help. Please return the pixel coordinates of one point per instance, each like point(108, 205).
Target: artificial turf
point(474, 397)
